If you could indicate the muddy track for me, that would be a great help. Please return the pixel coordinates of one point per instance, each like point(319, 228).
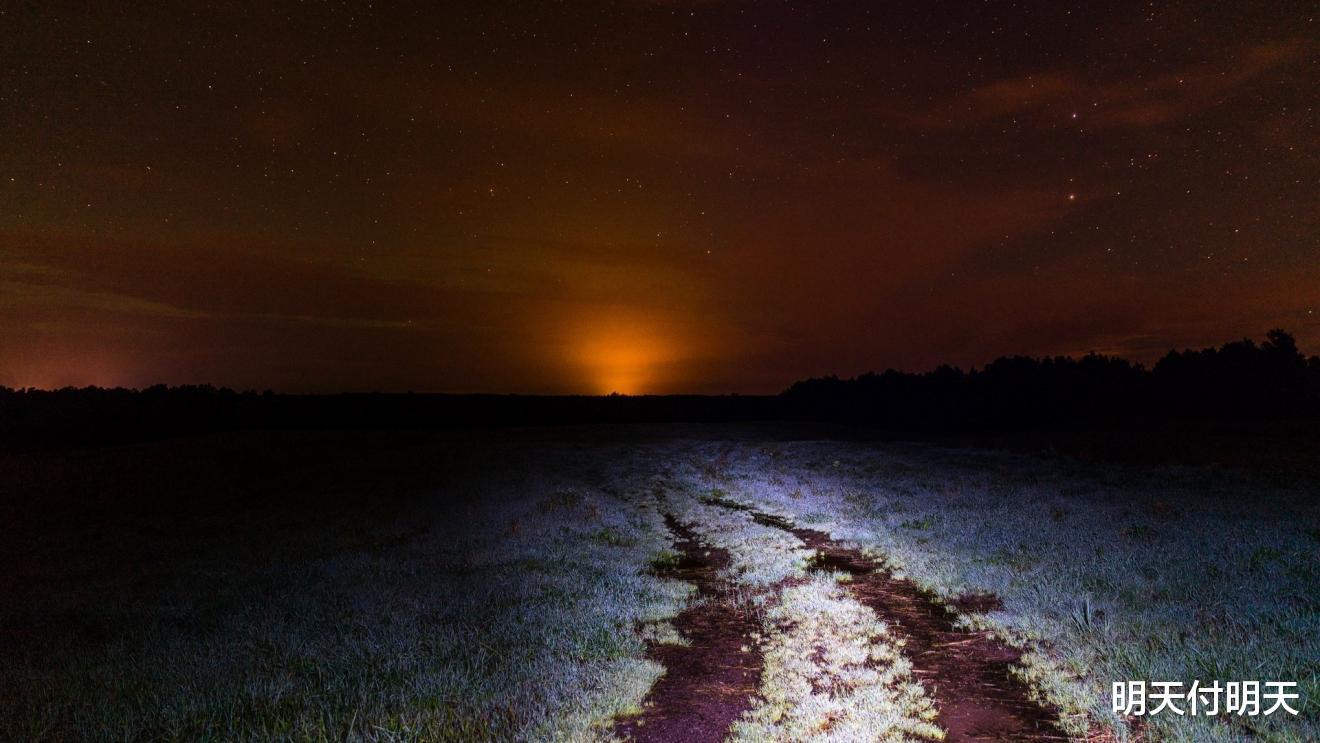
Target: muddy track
point(712, 680)
point(966, 673)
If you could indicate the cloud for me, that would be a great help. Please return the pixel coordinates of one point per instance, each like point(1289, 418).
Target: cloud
point(1052, 97)
point(242, 316)
point(20, 295)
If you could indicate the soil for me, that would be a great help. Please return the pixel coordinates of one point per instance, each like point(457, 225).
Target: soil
point(967, 673)
point(712, 680)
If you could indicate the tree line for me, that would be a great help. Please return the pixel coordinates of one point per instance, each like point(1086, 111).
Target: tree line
point(1242, 380)
point(1238, 380)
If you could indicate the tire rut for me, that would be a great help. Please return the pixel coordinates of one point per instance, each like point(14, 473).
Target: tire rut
point(966, 673)
point(712, 680)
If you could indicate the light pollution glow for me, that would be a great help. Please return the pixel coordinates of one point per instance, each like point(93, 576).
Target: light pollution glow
point(627, 354)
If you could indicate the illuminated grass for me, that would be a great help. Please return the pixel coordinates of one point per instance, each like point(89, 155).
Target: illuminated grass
point(831, 669)
point(833, 672)
point(1105, 572)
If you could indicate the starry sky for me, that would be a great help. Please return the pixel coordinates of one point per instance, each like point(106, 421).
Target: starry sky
point(645, 195)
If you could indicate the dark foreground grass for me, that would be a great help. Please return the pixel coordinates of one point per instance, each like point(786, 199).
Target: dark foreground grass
point(322, 586)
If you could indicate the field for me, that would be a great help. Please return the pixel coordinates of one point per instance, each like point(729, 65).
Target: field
point(589, 583)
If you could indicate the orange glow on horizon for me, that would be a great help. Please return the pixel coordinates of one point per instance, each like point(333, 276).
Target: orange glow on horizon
point(627, 355)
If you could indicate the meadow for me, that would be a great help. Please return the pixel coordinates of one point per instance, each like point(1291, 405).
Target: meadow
point(1103, 572)
point(514, 584)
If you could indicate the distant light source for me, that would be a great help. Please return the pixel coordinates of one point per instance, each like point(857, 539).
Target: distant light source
point(623, 367)
point(626, 355)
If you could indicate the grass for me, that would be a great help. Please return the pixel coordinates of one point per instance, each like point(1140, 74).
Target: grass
point(502, 585)
point(832, 671)
point(1105, 572)
point(498, 603)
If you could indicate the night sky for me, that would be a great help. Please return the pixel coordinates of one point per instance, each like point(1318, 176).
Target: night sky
point(645, 196)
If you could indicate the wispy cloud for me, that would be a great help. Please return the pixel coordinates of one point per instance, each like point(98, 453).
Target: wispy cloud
point(1054, 96)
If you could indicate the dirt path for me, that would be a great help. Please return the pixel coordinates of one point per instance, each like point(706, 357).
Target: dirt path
point(967, 673)
point(711, 681)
